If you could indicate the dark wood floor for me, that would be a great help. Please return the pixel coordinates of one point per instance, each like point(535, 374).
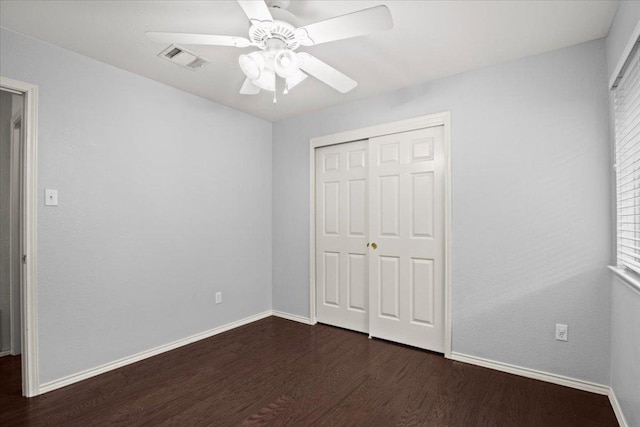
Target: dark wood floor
point(278, 372)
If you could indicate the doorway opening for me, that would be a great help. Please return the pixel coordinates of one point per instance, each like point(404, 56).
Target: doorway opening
point(18, 326)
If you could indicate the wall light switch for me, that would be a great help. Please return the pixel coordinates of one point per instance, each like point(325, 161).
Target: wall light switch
point(51, 197)
point(562, 332)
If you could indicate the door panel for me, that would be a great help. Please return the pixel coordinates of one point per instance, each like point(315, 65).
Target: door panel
point(331, 282)
point(358, 208)
point(407, 223)
point(389, 279)
point(358, 282)
point(422, 205)
point(342, 226)
point(331, 200)
point(422, 287)
point(389, 205)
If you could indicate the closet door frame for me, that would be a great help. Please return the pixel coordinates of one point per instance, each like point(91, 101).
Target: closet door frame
point(422, 122)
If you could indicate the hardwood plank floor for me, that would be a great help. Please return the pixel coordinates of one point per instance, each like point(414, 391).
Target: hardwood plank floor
point(278, 372)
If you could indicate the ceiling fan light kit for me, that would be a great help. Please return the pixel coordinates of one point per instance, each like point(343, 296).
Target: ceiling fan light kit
point(276, 65)
point(286, 63)
point(252, 65)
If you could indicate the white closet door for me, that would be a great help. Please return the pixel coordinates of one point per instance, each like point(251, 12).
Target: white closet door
point(342, 296)
point(406, 223)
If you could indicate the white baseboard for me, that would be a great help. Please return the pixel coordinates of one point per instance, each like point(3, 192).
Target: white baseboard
point(616, 409)
point(74, 378)
point(5, 353)
point(532, 373)
point(293, 317)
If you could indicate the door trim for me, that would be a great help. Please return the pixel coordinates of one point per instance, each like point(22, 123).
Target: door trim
point(438, 119)
point(30, 374)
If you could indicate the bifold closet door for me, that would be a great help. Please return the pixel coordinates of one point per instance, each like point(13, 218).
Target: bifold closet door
point(406, 269)
point(342, 297)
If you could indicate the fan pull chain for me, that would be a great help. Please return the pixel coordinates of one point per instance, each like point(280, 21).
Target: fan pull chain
point(275, 88)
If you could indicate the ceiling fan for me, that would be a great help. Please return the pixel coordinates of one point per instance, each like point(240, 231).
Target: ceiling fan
point(275, 65)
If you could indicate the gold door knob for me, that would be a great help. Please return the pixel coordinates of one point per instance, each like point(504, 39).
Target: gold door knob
point(374, 246)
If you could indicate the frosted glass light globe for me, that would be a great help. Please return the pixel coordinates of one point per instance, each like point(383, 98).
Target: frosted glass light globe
point(252, 65)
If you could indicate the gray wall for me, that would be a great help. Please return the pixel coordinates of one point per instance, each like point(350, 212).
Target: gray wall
point(625, 349)
point(625, 302)
point(623, 24)
point(164, 199)
point(530, 205)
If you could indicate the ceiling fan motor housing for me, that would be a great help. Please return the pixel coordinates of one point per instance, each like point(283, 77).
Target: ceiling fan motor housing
point(279, 30)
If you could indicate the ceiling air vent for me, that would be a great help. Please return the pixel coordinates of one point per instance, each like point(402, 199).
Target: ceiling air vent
point(183, 57)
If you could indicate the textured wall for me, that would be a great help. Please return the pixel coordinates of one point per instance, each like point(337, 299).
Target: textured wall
point(164, 199)
point(530, 205)
point(625, 349)
point(623, 24)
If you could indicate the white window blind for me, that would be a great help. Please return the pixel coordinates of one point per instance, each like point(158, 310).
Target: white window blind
point(627, 145)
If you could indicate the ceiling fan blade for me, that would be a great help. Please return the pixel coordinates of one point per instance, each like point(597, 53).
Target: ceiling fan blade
point(248, 88)
point(256, 10)
point(203, 39)
point(326, 73)
point(354, 24)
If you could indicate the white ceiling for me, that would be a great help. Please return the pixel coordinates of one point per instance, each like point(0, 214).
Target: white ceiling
point(430, 39)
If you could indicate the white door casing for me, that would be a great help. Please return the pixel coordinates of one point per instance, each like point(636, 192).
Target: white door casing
point(406, 222)
point(28, 217)
point(341, 235)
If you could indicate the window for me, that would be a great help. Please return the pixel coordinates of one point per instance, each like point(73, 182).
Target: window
point(627, 149)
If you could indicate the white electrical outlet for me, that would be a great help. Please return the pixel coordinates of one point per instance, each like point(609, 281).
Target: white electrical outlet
point(218, 297)
point(51, 197)
point(562, 332)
